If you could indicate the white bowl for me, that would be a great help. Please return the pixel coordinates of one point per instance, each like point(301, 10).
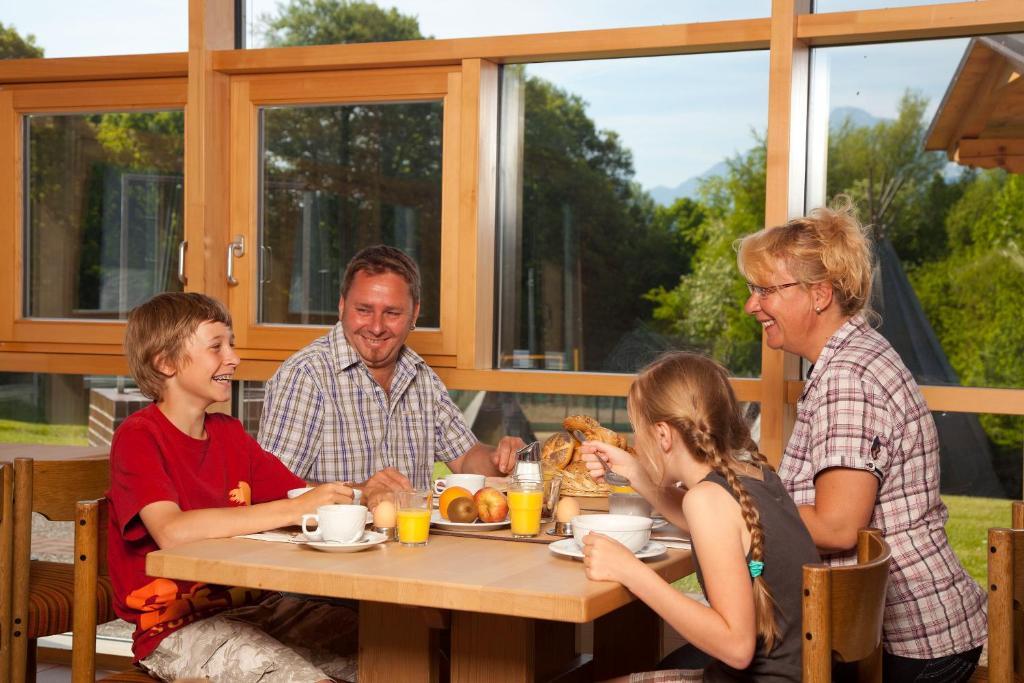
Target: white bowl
point(629, 530)
point(629, 504)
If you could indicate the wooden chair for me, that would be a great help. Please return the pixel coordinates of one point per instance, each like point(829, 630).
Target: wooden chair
point(43, 593)
point(1005, 600)
point(6, 560)
point(843, 609)
point(90, 571)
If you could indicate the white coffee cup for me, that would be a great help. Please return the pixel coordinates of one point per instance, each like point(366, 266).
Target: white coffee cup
point(295, 493)
point(337, 523)
point(470, 482)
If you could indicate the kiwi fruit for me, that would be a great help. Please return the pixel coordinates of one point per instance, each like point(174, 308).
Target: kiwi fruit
point(462, 510)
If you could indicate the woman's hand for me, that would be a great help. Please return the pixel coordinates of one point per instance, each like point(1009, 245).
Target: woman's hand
point(620, 461)
point(605, 559)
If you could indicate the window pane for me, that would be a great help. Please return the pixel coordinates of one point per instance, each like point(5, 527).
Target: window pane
point(98, 27)
point(825, 6)
point(270, 22)
point(948, 234)
point(624, 184)
point(103, 211)
point(336, 179)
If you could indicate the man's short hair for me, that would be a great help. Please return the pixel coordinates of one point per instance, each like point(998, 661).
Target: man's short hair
point(381, 258)
point(161, 327)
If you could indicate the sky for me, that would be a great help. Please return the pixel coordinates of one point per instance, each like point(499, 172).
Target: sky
point(679, 115)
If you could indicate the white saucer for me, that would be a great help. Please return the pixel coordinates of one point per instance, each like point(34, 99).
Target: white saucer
point(569, 548)
point(369, 539)
point(441, 523)
point(659, 522)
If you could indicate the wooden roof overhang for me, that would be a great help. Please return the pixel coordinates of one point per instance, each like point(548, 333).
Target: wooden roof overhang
point(980, 121)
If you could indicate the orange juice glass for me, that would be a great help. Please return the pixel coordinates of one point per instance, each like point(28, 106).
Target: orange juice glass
point(413, 517)
point(525, 499)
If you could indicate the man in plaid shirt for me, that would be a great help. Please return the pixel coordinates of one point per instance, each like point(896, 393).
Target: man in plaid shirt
point(358, 405)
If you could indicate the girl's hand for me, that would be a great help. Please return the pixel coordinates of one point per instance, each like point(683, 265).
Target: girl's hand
point(620, 461)
point(605, 559)
point(325, 494)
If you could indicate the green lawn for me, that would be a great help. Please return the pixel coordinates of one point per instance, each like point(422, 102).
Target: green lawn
point(12, 431)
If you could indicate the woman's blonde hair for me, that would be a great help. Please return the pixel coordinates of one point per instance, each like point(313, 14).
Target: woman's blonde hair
point(828, 245)
point(692, 394)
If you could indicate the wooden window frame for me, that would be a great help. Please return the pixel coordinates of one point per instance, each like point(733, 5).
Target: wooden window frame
point(17, 102)
point(249, 94)
point(788, 33)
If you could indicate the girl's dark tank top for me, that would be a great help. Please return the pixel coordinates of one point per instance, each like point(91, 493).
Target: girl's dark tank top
point(787, 547)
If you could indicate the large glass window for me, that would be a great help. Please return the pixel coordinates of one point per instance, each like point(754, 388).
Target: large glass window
point(624, 184)
point(100, 27)
point(336, 179)
point(103, 211)
point(889, 126)
point(303, 22)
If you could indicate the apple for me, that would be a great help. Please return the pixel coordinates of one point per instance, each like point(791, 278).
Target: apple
point(491, 505)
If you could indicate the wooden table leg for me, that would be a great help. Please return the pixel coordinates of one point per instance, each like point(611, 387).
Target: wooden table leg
point(396, 644)
point(499, 649)
point(626, 641)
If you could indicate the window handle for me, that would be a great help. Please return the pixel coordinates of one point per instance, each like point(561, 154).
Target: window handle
point(268, 264)
point(235, 250)
point(182, 246)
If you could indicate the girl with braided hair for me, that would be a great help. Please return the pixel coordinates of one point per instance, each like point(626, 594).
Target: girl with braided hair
point(748, 541)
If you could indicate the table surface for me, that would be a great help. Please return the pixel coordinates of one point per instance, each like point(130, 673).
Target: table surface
point(10, 451)
point(475, 575)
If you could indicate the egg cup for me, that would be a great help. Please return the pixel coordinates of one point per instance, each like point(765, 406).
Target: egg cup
point(390, 532)
point(561, 529)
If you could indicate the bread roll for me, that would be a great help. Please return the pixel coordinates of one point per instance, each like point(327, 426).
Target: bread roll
point(557, 451)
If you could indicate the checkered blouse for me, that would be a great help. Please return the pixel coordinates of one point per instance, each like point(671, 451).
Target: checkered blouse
point(862, 409)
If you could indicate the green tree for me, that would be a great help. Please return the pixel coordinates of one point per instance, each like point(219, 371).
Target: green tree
point(892, 179)
point(14, 46)
point(705, 309)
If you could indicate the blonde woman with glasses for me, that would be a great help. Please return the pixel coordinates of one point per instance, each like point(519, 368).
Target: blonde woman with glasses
point(864, 450)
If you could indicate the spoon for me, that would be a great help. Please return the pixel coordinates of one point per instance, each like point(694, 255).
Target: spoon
point(612, 478)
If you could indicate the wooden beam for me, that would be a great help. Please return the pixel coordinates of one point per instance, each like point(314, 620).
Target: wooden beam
point(787, 134)
point(717, 36)
point(48, 70)
point(952, 20)
point(211, 26)
point(477, 184)
point(977, 400)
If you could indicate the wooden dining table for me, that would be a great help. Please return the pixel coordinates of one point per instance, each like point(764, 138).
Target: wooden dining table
point(510, 609)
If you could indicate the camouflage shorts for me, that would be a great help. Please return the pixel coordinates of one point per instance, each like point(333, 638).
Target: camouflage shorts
point(671, 676)
point(284, 639)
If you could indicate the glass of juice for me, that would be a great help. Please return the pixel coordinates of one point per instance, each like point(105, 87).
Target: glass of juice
point(413, 517)
point(525, 499)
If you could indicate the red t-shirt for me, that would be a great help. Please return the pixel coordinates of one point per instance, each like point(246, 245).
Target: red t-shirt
point(152, 460)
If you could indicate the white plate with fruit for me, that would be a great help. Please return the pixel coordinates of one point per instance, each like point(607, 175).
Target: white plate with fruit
point(460, 510)
point(437, 521)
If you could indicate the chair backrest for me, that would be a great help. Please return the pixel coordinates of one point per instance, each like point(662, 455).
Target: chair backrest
point(90, 563)
point(843, 609)
point(1005, 599)
point(51, 488)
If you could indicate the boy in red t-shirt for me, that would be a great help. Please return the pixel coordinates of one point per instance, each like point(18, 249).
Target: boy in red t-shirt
point(178, 474)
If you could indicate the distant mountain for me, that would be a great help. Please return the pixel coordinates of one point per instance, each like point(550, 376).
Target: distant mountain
point(688, 188)
point(858, 117)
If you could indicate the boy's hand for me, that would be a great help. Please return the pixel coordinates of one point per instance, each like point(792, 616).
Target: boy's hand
point(325, 494)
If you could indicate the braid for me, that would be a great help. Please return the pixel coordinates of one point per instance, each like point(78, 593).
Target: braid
point(764, 603)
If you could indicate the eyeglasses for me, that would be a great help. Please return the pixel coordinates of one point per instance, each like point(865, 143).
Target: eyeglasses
point(763, 292)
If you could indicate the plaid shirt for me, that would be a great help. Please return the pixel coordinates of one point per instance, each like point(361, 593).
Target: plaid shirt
point(327, 419)
point(861, 409)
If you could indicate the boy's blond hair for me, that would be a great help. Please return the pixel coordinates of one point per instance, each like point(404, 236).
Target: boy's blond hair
point(160, 328)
